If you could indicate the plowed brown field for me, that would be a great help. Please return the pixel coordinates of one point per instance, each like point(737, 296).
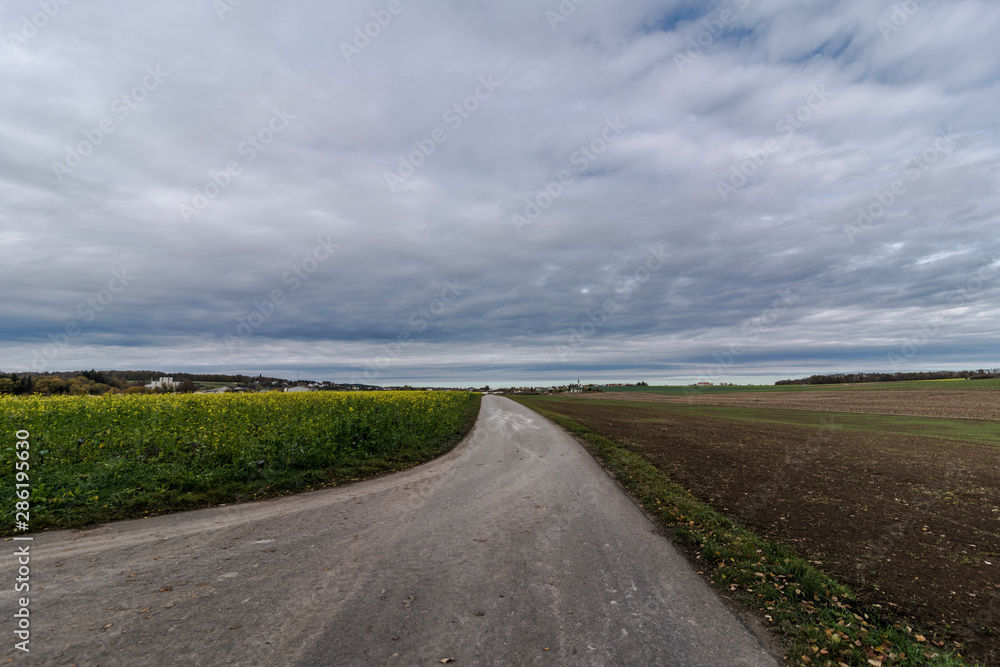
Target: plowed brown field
point(911, 523)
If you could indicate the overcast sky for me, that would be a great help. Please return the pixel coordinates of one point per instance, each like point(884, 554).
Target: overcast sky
point(444, 192)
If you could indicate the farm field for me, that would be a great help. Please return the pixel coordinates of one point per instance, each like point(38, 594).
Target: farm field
point(915, 385)
point(95, 459)
point(903, 510)
point(924, 400)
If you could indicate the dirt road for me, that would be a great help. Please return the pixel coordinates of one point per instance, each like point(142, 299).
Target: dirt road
point(516, 548)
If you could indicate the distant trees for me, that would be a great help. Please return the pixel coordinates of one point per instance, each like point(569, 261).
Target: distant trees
point(187, 386)
point(51, 385)
point(854, 378)
point(78, 386)
point(94, 382)
point(233, 379)
point(15, 384)
point(97, 377)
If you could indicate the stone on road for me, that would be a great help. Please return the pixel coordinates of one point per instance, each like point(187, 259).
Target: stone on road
point(514, 549)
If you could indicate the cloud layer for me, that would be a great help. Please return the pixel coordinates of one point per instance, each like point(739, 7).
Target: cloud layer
point(455, 194)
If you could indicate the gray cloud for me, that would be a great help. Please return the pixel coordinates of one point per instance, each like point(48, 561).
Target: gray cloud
point(728, 161)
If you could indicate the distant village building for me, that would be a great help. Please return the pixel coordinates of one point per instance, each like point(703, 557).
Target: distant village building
point(163, 382)
point(296, 390)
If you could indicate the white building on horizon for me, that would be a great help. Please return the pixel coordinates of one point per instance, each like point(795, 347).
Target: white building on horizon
point(165, 382)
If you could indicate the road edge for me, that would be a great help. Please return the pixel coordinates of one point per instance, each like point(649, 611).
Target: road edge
point(831, 625)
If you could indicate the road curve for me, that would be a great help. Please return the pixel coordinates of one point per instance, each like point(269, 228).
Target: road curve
point(514, 549)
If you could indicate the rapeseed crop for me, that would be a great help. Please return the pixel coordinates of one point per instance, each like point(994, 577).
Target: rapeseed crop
point(118, 456)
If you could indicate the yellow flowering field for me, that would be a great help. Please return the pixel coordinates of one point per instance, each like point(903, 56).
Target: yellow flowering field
point(115, 456)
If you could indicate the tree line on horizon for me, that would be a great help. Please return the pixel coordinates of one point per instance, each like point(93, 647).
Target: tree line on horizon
point(96, 382)
point(857, 378)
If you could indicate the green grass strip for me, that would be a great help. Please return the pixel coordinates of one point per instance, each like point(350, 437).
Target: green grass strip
point(818, 618)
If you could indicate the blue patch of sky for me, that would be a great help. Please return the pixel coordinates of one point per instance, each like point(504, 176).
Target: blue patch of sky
point(669, 21)
point(831, 49)
point(738, 35)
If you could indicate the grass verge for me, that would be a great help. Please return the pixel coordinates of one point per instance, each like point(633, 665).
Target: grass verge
point(817, 617)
